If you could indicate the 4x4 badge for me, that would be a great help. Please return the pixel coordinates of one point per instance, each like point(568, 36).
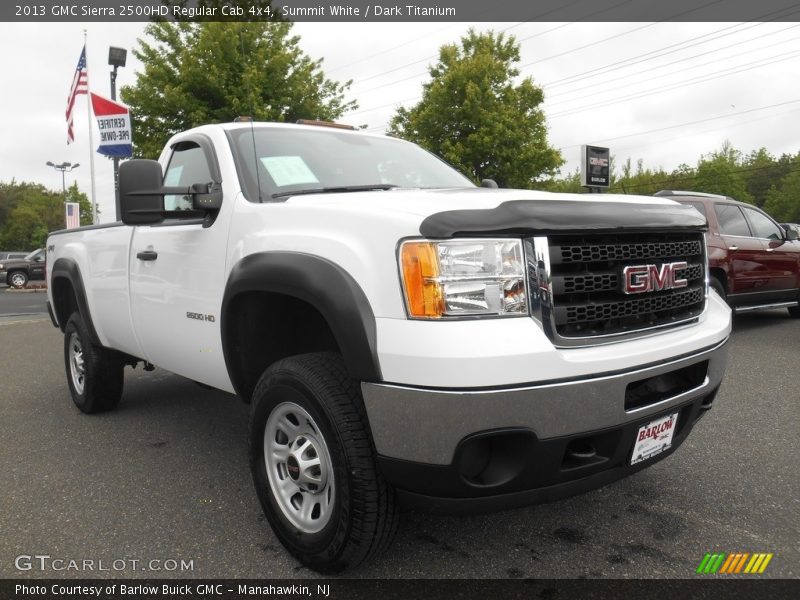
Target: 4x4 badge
point(638, 279)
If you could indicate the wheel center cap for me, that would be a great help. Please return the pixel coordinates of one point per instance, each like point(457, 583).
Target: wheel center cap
point(293, 467)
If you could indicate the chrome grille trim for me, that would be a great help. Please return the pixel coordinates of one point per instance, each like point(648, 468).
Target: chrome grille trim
point(570, 295)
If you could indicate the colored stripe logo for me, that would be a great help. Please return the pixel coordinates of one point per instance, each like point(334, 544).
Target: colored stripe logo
point(734, 563)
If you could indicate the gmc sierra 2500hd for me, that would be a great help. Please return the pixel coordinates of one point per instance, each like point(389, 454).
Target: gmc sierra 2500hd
point(400, 333)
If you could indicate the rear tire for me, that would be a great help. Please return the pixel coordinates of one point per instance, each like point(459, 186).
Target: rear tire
point(94, 373)
point(794, 311)
point(313, 464)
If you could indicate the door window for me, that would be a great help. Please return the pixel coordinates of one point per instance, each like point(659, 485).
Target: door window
point(187, 166)
point(762, 226)
point(731, 220)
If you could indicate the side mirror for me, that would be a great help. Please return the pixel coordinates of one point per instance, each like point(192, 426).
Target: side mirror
point(489, 183)
point(141, 195)
point(206, 196)
point(136, 177)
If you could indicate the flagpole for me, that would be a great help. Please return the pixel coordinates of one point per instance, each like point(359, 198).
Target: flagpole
point(91, 141)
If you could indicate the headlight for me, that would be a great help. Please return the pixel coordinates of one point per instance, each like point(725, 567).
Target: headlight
point(457, 278)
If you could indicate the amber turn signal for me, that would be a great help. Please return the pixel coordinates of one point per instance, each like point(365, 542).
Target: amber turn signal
point(420, 265)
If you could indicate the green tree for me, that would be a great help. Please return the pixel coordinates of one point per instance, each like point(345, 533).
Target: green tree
point(569, 184)
point(783, 202)
point(762, 172)
point(474, 116)
point(12, 193)
point(212, 72)
point(722, 172)
point(641, 180)
point(24, 229)
point(35, 212)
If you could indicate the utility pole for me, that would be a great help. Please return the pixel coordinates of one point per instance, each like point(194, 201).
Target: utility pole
point(116, 58)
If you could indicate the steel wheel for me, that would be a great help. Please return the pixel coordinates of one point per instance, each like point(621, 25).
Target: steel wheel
point(94, 373)
point(77, 366)
point(299, 467)
point(313, 464)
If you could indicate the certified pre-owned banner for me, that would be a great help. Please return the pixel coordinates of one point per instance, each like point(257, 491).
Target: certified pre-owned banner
point(114, 122)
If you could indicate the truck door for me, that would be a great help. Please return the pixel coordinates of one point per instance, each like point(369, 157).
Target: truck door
point(37, 266)
point(177, 269)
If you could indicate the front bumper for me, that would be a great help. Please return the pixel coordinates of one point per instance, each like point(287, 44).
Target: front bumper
point(525, 444)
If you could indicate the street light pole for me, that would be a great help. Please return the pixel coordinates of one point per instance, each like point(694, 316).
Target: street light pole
point(116, 58)
point(64, 167)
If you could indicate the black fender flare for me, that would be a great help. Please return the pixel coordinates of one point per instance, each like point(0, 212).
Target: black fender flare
point(66, 268)
point(322, 284)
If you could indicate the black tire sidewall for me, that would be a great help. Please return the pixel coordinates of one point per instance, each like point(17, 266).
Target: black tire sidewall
point(103, 376)
point(717, 286)
point(324, 546)
point(75, 325)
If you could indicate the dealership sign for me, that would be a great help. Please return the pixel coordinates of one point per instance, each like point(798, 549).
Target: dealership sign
point(595, 167)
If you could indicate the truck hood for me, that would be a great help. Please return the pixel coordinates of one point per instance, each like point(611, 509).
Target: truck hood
point(449, 212)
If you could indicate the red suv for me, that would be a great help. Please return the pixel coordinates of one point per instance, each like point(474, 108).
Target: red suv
point(753, 262)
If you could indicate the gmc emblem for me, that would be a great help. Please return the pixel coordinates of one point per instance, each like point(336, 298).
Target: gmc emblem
point(651, 278)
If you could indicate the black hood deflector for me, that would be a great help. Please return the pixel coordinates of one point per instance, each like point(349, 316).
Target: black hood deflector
point(531, 217)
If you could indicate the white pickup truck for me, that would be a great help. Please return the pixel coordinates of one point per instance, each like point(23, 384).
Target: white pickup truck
point(401, 334)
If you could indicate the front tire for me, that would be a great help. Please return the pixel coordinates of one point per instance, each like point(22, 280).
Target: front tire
point(313, 464)
point(94, 374)
point(716, 285)
point(17, 279)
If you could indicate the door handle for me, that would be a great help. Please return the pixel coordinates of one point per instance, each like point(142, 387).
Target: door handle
point(733, 248)
point(147, 255)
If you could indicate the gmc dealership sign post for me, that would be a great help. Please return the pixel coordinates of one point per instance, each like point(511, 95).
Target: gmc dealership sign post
point(595, 168)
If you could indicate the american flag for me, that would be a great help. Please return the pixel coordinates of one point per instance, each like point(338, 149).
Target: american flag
point(73, 215)
point(80, 85)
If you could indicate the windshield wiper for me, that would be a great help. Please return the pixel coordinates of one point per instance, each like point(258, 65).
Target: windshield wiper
point(338, 189)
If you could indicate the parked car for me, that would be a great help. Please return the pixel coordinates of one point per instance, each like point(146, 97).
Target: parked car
point(32, 267)
point(5, 257)
point(753, 262)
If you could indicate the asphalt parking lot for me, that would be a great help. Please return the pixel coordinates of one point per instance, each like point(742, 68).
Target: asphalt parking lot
point(165, 477)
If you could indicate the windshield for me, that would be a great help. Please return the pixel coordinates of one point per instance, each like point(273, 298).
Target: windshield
point(314, 158)
point(33, 255)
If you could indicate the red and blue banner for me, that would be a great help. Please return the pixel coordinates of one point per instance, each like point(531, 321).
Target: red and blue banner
point(114, 122)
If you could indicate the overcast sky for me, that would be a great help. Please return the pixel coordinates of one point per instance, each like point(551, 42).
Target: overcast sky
point(664, 93)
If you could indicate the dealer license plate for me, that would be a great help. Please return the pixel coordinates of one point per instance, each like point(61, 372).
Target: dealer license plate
point(654, 438)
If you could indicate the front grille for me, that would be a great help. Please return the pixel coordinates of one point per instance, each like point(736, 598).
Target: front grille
point(593, 252)
point(589, 312)
point(584, 278)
